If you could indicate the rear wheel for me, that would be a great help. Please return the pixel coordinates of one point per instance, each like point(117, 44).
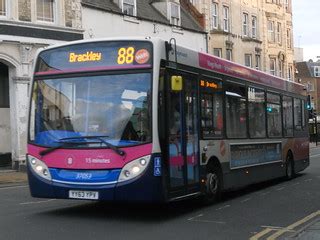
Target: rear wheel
point(289, 167)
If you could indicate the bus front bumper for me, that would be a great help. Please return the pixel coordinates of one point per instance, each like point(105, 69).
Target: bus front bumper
point(145, 188)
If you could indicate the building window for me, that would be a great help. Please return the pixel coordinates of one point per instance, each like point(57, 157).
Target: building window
point(217, 52)
point(245, 24)
point(258, 61)
point(175, 14)
point(226, 19)
point(309, 87)
point(3, 7)
point(281, 67)
point(271, 34)
point(129, 7)
point(279, 33)
point(45, 10)
point(214, 15)
point(290, 70)
point(273, 69)
point(287, 5)
point(248, 60)
point(289, 45)
point(317, 71)
point(254, 27)
point(229, 54)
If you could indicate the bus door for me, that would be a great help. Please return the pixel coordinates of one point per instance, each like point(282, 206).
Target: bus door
point(182, 135)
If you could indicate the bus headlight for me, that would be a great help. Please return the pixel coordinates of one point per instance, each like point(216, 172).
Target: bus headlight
point(134, 169)
point(39, 167)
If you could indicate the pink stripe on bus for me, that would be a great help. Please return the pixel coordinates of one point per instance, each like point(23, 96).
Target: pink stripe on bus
point(51, 72)
point(89, 158)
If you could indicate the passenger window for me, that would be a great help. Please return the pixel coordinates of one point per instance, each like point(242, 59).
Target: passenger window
point(297, 114)
point(236, 113)
point(211, 108)
point(287, 113)
point(257, 113)
point(274, 115)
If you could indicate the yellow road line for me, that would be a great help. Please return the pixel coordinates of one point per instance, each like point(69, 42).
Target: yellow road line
point(261, 234)
point(294, 225)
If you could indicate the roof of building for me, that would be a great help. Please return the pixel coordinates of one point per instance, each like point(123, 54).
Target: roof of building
point(306, 69)
point(146, 11)
point(303, 70)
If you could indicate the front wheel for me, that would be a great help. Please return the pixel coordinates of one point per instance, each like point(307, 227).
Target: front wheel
point(213, 186)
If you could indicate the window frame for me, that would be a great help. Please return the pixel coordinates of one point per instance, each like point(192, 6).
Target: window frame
point(54, 12)
point(176, 21)
point(254, 27)
point(215, 15)
point(274, 103)
point(129, 4)
point(246, 55)
point(6, 9)
point(226, 18)
point(271, 32)
point(273, 71)
point(245, 24)
point(203, 92)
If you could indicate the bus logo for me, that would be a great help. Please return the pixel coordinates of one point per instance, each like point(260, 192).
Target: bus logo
point(142, 56)
point(70, 160)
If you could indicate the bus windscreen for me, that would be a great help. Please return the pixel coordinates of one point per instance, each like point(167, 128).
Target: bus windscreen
point(95, 56)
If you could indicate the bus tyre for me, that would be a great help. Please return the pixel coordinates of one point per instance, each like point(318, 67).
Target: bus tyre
point(213, 186)
point(289, 167)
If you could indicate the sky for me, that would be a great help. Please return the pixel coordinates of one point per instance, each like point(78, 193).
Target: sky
point(306, 27)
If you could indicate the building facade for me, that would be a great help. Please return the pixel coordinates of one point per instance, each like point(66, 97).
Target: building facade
point(254, 33)
point(157, 18)
point(25, 27)
point(308, 74)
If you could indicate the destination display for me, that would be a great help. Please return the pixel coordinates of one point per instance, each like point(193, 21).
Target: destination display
point(95, 56)
point(254, 154)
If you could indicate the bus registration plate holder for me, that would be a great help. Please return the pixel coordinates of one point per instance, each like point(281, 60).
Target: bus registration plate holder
point(89, 195)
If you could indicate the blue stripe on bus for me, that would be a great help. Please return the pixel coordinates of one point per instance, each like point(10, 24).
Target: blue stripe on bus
point(85, 176)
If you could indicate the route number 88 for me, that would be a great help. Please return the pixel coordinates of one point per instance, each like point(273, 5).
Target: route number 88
point(125, 55)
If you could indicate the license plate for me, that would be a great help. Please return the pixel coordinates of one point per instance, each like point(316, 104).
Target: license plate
point(90, 195)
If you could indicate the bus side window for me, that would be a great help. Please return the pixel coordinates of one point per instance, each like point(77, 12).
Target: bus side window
point(297, 114)
point(211, 109)
point(257, 113)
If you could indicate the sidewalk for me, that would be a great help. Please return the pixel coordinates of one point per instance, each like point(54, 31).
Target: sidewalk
point(12, 177)
point(312, 232)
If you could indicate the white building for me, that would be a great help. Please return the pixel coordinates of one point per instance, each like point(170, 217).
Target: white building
point(26, 26)
point(158, 18)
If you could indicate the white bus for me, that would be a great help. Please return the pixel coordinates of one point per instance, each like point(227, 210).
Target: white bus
point(143, 119)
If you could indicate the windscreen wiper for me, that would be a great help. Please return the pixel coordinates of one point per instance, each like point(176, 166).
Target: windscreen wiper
point(100, 138)
point(62, 144)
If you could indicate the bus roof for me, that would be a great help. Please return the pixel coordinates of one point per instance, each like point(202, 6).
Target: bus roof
point(233, 70)
point(212, 63)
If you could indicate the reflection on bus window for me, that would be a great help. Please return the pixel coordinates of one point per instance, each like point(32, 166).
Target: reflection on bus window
point(236, 116)
point(117, 106)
